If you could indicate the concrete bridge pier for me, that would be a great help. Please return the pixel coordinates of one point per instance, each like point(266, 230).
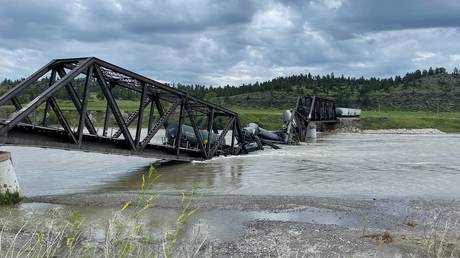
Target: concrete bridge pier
point(8, 180)
point(311, 131)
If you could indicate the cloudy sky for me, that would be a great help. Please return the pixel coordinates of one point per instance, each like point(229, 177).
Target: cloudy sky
point(232, 41)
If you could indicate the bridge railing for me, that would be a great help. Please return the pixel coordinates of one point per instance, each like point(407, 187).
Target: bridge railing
point(81, 103)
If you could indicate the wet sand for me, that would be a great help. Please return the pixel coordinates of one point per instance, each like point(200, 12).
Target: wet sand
point(293, 226)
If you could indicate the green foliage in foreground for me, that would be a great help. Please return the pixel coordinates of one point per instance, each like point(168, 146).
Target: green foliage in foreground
point(9, 198)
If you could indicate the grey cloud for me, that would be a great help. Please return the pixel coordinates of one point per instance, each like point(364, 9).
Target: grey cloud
point(363, 16)
point(235, 41)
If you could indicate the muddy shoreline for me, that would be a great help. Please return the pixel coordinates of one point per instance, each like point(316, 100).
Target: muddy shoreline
point(291, 226)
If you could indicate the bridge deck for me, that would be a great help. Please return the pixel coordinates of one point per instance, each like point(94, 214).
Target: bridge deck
point(36, 136)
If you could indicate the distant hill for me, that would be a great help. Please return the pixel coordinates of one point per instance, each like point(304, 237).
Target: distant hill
point(426, 90)
point(431, 93)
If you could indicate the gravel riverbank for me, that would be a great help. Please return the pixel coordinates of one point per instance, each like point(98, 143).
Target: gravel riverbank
point(296, 226)
point(404, 131)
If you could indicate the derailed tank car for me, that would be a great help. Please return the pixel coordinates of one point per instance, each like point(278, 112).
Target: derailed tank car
point(348, 112)
point(188, 136)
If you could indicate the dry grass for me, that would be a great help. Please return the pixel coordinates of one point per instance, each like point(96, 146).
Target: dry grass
point(442, 238)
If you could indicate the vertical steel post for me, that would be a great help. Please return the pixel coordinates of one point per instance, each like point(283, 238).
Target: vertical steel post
point(209, 127)
point(179, 128)
point(233, 136)
point(196, 130)
point(47, 105)
point(107, 114)
point(140, 115)
point(106, 120)
point(152, 109)
point(76, 101)
point(84, 104)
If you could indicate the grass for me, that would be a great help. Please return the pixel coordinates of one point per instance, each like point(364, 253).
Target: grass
point(8, 198)
point(441, 238)
point(444, 121)
point(270, 118)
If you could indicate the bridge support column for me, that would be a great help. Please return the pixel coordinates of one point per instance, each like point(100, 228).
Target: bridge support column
point(8, 180)
point(311, 131)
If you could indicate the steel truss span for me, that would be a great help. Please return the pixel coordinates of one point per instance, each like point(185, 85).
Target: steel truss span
point(195, 129)
point(312, 109)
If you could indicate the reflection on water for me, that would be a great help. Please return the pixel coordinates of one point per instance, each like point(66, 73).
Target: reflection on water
point(222, 224)
point(47, 171)
point(337, 165)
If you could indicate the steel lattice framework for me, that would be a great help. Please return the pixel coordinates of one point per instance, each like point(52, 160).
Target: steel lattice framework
point(312, 109)
point(158, 105)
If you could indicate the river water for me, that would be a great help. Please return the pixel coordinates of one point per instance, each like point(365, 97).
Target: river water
point(339, 165)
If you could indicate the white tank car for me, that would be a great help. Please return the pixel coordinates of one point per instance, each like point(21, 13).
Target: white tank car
point(347, 112)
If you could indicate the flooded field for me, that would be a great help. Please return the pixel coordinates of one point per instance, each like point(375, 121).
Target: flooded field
point(341, 165)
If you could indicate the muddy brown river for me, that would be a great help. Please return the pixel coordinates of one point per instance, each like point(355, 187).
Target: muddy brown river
point(340, 165)
point(325, 192)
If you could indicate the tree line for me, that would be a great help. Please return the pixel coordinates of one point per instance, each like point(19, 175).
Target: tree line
point(345, 89)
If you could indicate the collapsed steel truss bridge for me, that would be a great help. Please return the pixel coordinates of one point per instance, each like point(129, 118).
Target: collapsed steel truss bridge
point(78, 128)
point(55, 108)
point(312, 109)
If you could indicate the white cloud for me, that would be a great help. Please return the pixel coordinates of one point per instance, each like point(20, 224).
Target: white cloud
point(454, 57)
point(19, 62)
point(334, 4)
point(422, 56)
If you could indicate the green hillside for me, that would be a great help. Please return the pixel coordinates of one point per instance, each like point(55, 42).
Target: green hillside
point(420, 99)
point(438, 93)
